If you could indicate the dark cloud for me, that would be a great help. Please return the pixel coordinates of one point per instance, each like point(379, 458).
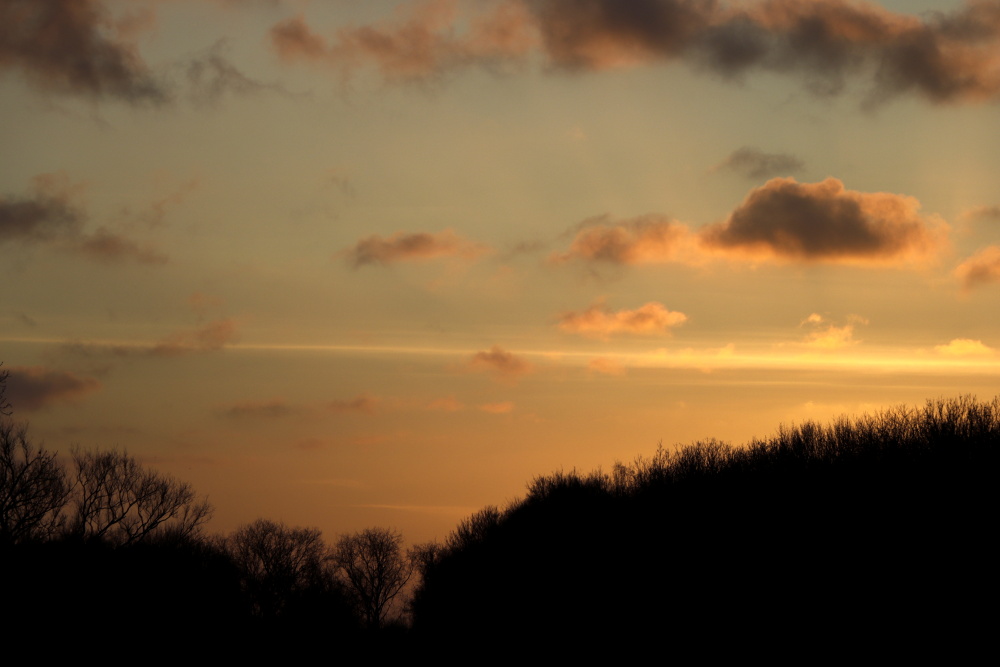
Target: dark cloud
point(754, 163)
point(49, 216)
point(824, 222)
point(943, 57)
point(982, 268)
point(645, 240)
point(600, 34)
point(73, 46)
point(35, 387)
point(42, 216)
point(406, 246)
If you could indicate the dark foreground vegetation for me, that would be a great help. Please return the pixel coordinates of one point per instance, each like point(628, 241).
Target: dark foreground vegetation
point(866, 537)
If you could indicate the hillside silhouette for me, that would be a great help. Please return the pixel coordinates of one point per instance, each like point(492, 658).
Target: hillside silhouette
point(868, 534)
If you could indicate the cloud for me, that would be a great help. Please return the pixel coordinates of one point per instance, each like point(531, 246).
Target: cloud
point(964, 347)
point(74, 47)
point(108, 247)
point(267, 409)
point(212, 76)
point(980, 269)
point(944, 57)
point(606, 366)
point(365, 404)
point(500, 363)
point(404, 246)
point(35, 387)
point(50, 216)
point(277, 408)
point(645, 240)
point(827, 336)
point(501, 408)
point(754, 163)
point(43, 216)
point(210, 337)
point(600, 322)
point(423, 40)
point(982, 213)
point(446, 404)
point(824, 222)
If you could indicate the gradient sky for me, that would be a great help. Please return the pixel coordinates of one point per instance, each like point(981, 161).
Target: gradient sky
point(348, 264)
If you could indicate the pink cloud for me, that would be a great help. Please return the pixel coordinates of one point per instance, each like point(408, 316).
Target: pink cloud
point(600, 322)
point(980, 269)
point(646, 240)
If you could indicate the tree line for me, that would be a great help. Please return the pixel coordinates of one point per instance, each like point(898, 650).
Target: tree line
point(869, 534)
point(130, 541)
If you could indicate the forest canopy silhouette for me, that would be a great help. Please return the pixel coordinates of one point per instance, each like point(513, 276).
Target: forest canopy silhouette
point(872, 530)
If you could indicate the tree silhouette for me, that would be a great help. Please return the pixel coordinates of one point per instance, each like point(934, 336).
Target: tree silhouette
point(375, 570)
point(33, 487)
point(120, 501)
point(5, 408)
point(279, 564)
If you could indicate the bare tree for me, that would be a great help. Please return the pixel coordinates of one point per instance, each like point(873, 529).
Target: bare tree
point(33, 487)
point(5, 408)
point(375, 569)
point(279, 563)
point(119, 500)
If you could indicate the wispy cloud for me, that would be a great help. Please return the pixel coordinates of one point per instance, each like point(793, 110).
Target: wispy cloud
point(825, 222)
point(273, 408)
point(500, 408)
point(210, 337)
point(411, 246)
point(445, 404)
point(648, 239)
point(280, 408)
point(365, 404)
point(982, 213)
point(34, 387)
point(753, 163)
point(501, 364)
point(980, 269)
point(600, 322)
point(606, 366)
point(421, 42)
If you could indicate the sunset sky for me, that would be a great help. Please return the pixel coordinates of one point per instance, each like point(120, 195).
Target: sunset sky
point(347, 264)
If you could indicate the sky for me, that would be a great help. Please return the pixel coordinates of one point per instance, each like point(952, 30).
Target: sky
point(348, 264)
